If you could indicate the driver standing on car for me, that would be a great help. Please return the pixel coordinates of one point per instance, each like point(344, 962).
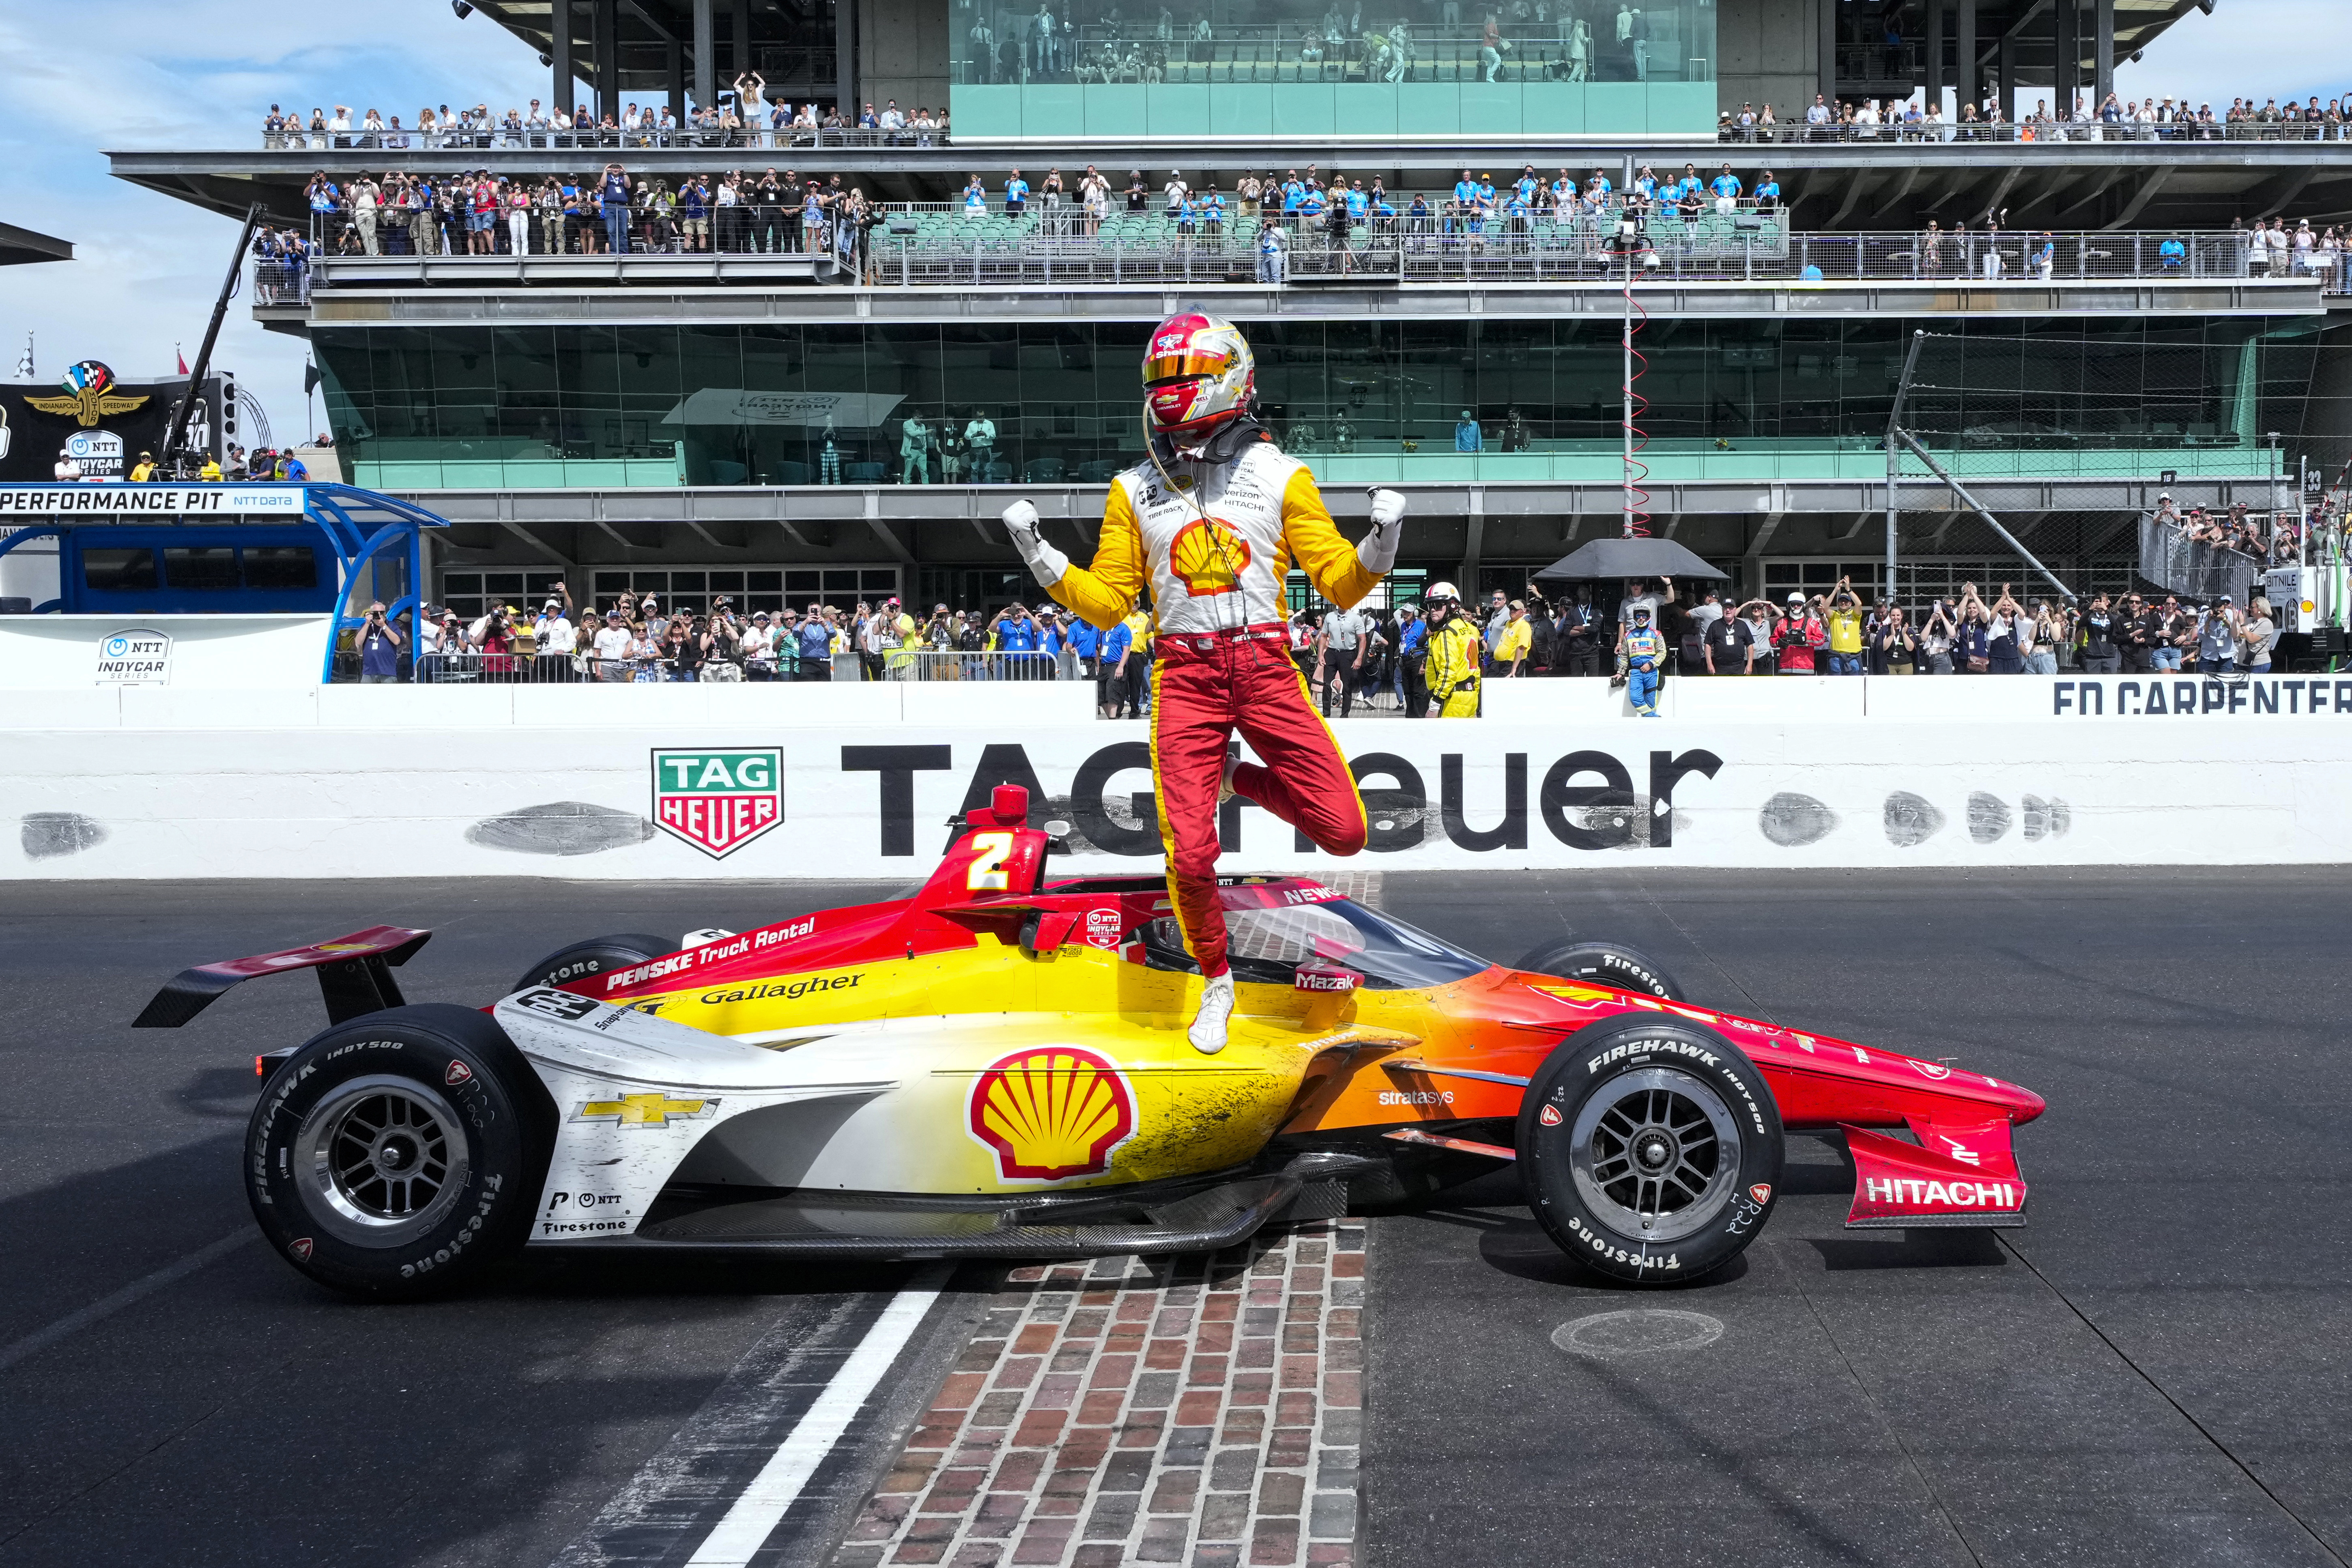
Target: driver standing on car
point(1211, 522)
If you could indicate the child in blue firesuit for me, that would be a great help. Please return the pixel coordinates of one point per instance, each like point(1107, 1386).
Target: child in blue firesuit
point(1644, 649)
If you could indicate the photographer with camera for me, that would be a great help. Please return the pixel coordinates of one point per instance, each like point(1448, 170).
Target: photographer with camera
point(379, 646)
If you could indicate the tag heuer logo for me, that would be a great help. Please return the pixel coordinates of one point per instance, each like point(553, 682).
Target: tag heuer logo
point(717, 801)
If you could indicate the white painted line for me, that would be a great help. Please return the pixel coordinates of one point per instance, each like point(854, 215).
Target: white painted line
point(106, 1307)
point(754, 1518)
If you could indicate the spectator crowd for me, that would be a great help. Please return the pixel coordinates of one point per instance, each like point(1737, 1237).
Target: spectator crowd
point(750, 120)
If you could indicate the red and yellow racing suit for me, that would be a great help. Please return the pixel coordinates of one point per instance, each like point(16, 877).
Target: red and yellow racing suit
point(1216, 567)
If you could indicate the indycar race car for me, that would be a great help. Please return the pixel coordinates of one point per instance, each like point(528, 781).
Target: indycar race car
point(996, 1066)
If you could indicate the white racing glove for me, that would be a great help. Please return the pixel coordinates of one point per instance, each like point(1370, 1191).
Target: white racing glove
point(1378, 550)
point(1047, 564)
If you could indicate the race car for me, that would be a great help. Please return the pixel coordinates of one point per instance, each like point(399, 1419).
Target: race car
point(996, 1066)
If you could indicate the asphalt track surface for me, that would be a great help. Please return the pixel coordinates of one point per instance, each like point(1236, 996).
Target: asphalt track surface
point(2154, 1371)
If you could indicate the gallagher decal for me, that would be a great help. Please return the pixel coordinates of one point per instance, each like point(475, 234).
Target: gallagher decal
point(1051, 1111)
point(717, 801)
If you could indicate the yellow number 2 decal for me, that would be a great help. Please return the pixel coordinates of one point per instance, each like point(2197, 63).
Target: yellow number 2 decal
point(988, 874)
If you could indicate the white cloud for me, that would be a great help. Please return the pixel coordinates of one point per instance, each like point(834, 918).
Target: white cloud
point(2257, 49)
point(147, 266)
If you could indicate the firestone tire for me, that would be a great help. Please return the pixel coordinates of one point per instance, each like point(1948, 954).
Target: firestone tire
point(397, 1155)
point(1606, 964)
point(1650, 1149)
point(593, 957)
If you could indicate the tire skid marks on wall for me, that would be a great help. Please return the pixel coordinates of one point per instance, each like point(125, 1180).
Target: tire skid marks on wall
point(297, 803)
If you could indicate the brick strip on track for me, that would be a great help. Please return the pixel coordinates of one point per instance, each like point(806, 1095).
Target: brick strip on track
point(1164, 1410)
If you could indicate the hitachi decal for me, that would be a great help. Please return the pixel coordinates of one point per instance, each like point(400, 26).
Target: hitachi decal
point(1916, 1194)
point(784, 990)
point(1697, 1053)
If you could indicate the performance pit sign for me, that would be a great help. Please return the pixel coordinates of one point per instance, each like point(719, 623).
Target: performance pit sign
point(150, 500)
point(141, 656)
point(717, 801)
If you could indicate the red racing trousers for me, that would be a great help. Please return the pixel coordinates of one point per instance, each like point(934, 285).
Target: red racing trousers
point(1204, 688)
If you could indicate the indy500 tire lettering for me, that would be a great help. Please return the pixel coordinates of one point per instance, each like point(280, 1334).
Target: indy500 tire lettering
point(1650, 1149)
point(396, 1155)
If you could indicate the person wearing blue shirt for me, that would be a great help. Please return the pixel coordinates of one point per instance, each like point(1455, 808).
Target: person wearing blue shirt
point(1412, 661)
point(1646, 183)
point(1086, 641)
point(1310, 204)
point(1467, 436)
point(1112, 690)
point(975, 198)
point(1294, 190)
point(1726, 185)
point(1213, 213)
point(1384, 208)
point(1768, 193)
point(2172, 254)
point(1015, 632)
point(1016, 195)
point(816, 646)
point(1357, 203)
point(1465, 189)
point(1486, 192)
point(1600, 183)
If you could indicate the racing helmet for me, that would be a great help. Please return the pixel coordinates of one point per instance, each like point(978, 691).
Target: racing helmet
point(1198, 377)
point(1441, 592)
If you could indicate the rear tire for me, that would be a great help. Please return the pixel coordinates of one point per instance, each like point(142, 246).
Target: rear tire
point(567, 965)
point(1650, 1149)
point(397, 1155)
point(1605, 963)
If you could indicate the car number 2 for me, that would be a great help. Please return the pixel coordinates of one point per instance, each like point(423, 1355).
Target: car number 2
point(987, 874)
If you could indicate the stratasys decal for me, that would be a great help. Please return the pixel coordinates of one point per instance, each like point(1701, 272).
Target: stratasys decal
point(1051, 1111)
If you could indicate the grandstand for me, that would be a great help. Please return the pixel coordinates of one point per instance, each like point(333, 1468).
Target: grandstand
point(2105, 329)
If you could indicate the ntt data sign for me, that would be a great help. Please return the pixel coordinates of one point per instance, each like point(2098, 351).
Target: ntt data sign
point(150, 500)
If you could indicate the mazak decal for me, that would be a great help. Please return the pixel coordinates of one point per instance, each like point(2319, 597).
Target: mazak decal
point(635, 1112)
point(717, 801)
point(1051, 1111)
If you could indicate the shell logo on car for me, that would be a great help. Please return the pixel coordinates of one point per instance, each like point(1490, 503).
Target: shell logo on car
point(1051, 1112)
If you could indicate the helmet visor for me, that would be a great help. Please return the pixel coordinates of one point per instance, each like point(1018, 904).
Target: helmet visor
point(1183, 365)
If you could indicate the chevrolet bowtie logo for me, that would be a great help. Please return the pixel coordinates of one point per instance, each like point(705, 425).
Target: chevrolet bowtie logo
point(643, 1109)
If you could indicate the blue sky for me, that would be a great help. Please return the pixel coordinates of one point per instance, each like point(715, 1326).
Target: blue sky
point(202, 72)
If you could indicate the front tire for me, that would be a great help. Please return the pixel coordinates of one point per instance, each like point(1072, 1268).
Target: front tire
point(593, 957)
point(398, 1154)
point(1650, 1149)
point(1605, 963)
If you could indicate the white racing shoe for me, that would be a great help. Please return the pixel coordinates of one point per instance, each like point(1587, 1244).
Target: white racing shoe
point(1208, 1031)
point(1225, 790)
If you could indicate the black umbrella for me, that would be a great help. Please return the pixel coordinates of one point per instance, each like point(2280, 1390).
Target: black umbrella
point(1628, 557)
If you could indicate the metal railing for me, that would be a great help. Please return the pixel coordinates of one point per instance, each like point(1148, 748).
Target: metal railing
point(2193, 568)
point(2030, 131)
point(501, 137)
point(954, 664)
point(1043, 253)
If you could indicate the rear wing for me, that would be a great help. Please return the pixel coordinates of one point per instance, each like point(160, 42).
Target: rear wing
point(354, 976)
